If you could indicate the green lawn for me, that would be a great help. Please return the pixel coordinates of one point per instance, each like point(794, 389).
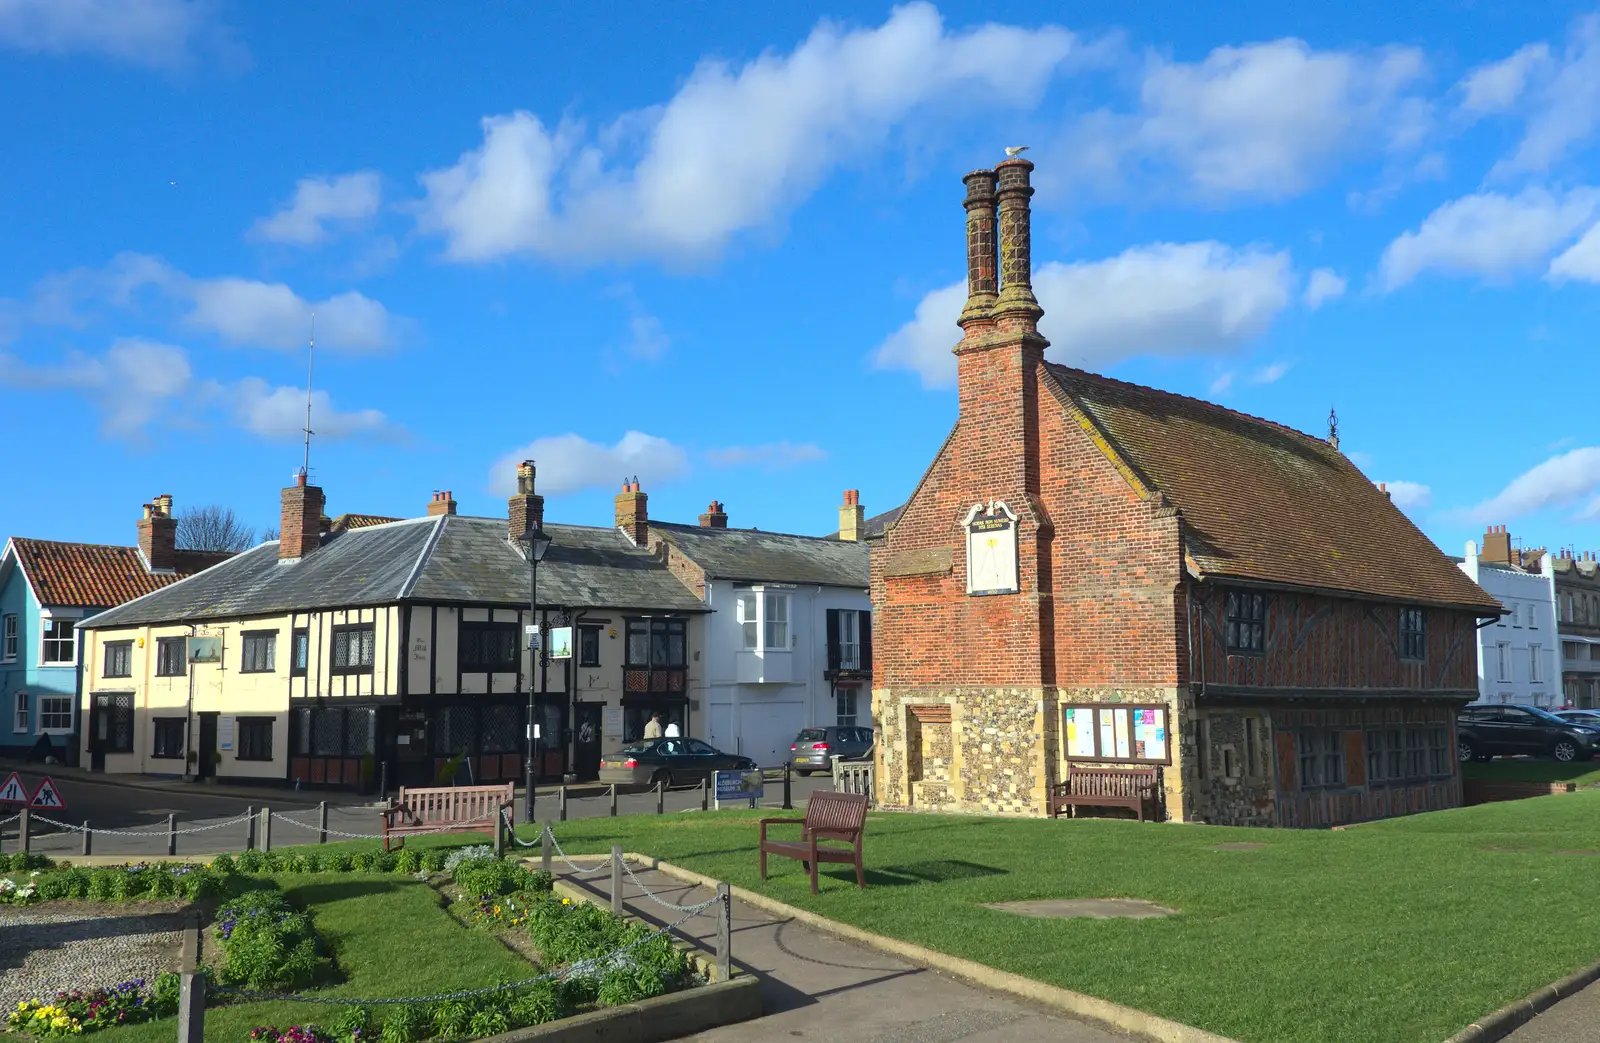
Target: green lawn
point(1399, 931)
point(389, 935)
point(1584, 773)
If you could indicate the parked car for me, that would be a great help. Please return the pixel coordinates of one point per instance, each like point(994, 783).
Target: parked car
point(1483, 732)
point(815, 748)
point(1589, 717)
point(673, 761)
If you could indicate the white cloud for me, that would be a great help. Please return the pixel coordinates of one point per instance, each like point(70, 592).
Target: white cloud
point(733, 150)
point(240, 311)
point(1557, 482)
point(1266, 119)
point(152, 33)
point(1410, 496)
point(1498, 86)
point(1161, 299)
point(317, 201)
point(772, 455)
point(1558, 97)
point(1270, 374)
point(570, 463)
point(1491, 235)
point(1580, 261)
point(279, 413)
point(1324, 285)
point(1222, 384)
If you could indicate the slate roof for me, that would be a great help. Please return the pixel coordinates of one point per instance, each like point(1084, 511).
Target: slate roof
point(449, 558)
point(94, 575)
point(1264, 502)
point(773, 557)
point(876, 525)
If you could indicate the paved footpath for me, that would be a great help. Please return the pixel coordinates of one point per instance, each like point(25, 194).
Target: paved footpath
point(816, 986)
point(1575, 1019)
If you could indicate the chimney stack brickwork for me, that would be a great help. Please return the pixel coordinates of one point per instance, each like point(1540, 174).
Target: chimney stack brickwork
point(715, 517)
point(158, 535)
point(526, 506)
point(852, 517)
point(633, 518)
point(1496, 545)
point(300, 520)
point(982, 259)
point(442, 503)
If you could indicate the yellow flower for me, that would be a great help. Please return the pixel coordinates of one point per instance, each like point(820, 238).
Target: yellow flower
point(566, 901)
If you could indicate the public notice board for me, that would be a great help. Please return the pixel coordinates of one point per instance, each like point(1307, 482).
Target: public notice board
point(742, 786)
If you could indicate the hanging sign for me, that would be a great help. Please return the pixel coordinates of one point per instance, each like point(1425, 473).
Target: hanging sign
point(12, 792)
point(204, 649)
point(560, 642)
point(47, 797)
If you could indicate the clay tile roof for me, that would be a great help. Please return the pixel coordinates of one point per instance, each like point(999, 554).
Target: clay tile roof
point(1264, 502)
point(93, 575)
point(360, 521)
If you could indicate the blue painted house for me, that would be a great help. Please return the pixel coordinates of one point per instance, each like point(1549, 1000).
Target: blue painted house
point(47, 588)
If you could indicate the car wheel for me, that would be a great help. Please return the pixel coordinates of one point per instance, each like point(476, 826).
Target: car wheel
point(1465, 751)
point(803, 772)
point(1565, 750)
point(661, 778)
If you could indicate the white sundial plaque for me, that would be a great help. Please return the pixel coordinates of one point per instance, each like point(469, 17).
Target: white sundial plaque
point(991, 549)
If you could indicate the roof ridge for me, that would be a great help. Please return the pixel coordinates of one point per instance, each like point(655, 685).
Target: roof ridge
point(696, 527)
point(1076, 373)
point(76, 543)
point(423, 556)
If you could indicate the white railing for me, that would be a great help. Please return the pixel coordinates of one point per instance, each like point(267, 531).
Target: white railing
point(854, 777)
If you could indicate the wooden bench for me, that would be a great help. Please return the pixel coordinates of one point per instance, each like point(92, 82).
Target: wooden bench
point(829, 816)
point(444, 809)
point(1137, 789)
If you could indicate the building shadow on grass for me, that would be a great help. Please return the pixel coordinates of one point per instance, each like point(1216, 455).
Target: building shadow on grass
point(309, 894)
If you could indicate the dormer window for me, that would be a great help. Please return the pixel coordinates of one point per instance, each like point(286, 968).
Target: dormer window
point(763, 617)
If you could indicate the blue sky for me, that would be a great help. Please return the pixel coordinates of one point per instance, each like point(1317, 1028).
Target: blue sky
point(718, 245)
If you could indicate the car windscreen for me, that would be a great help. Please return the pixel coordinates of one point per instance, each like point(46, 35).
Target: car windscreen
point(812, 735)
point(1546, 715)
point(640, 747)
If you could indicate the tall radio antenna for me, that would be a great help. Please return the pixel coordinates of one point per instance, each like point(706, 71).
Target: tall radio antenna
point(311, 352)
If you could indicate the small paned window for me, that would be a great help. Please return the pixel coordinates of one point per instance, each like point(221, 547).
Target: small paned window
point(1413, 633)
point(260, 652)
point(1245, 622)
point(119, 659)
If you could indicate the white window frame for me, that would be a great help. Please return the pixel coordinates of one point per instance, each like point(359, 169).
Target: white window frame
point(20, 724)
point(771, 638)
point(1533, 615)
point(46, 623)
point(849, 639)
point(1535, 666)
point(1503, 654)
point(846, 699)
point(10, 628)
point(46, 712)
point(1516, 615)
point(748, 613)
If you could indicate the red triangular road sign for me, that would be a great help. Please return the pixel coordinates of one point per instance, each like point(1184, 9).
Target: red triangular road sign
point(47, 797)
point(11, 792)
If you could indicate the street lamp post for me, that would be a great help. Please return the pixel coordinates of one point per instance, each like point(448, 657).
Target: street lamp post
point(535, 542)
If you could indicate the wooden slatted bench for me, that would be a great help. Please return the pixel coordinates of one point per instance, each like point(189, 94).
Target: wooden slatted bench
point(829, 816)
point(1137, 789)
point(444, 809)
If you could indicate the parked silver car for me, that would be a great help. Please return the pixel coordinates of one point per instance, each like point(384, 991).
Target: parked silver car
point(815, 748)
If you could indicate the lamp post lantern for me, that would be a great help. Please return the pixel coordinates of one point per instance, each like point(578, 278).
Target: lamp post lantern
point(534, 542)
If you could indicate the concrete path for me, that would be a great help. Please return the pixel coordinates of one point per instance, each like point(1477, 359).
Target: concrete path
point(819, 987)
point(1575, 1019)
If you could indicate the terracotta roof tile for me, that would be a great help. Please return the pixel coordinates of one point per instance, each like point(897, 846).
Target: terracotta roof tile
point(1261, 501)
point(93, 575)
point(346, 522)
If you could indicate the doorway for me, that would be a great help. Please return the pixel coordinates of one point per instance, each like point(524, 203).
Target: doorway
point(586, 745)
point(99, 727)
point(206, 761)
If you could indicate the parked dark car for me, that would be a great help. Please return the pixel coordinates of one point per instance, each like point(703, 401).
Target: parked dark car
point(1510, 731)
point(673, 761)
point(815, 748)
point(1589, 717)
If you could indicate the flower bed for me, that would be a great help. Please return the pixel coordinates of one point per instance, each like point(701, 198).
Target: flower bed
point(267, 944)
point(156, 881)
point(78, 1011)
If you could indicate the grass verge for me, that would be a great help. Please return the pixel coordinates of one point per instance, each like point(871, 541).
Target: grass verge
point(1520, 769)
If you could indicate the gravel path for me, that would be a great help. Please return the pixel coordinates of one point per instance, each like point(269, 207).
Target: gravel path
point(42, 952)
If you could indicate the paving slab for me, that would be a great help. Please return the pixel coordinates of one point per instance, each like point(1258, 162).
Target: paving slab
point(819, 987)
point(1575, 1019)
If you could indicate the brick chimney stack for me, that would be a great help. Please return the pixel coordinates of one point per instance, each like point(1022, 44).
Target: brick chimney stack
point(300, 520)
point(1496, 545)
point(158, 535)
point(632, 517)
point(715, 517)
point(852, 517)
point(1016, 308)
point(442, 503)
point(982, 259)
point(527, 507)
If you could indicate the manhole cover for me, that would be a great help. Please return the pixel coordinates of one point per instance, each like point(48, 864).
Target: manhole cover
point(1092, 908)
point(1239, 845)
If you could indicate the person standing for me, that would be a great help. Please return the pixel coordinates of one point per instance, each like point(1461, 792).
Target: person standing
point(672, 730)
point(652, 730)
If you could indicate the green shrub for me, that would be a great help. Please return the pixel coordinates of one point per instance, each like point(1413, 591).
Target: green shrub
point(24, 861)
point(224, 864)
point(406, 1023)
point(164, 994)
point(538, 1003)
point(451, 1018)
point(339, 862)
point(352, 1023)
point(433, 859)
point(249, 861)
point(408, 862)
point(494, 876)
point(489, 1022)
point(269, 944)
point(313, 862)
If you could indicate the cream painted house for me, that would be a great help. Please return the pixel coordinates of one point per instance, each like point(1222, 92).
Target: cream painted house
point(334, 655)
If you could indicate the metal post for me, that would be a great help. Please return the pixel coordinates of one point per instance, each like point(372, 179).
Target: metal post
point(383, 782)
point(266, 829)
point(562, 793)
point(613, 800)
point(661, 796)
point(322, 822)
point(88, 839)
point(192, 1008)
point(616, 879)
point(22, 829)
point(249, 826)
point(172, 834)
point(705, 796)
point(788, 805)
point(544, 848)
point(724, 932)
point(499, 837)
point(533, 661)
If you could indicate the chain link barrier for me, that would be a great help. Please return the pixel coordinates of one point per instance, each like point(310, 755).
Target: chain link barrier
point(71, 828)
point(13, 818)
point(691, 910)
point(283, 817)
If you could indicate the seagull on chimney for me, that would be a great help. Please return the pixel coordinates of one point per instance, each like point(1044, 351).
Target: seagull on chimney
point(1013, 151)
